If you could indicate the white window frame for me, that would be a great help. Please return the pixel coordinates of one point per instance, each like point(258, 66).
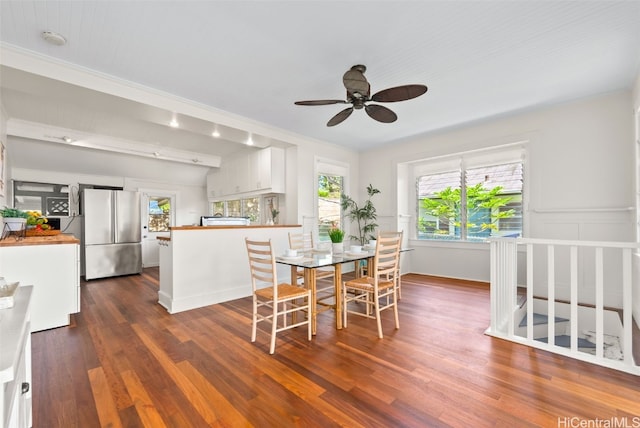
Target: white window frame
point(495, 155)
point(329, 167)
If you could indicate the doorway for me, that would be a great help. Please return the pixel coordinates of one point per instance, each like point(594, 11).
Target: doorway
point(158, 215)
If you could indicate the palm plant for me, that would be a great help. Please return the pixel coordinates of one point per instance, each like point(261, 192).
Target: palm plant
point(364, 216)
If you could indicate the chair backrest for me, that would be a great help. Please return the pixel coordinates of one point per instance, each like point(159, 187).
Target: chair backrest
point(301, 241)
point(262, 265)
point(388, 233)
point(387, 254)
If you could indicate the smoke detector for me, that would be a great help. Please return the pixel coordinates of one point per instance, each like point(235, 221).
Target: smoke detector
point(54, 38)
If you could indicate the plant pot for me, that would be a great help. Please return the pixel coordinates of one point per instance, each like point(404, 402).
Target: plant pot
point(337, 247)
point(15, 224)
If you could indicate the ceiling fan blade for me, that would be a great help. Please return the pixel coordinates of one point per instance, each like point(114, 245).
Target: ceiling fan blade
point(380, 113)
point(399, 93)
point(319, 102)
point(340, 117)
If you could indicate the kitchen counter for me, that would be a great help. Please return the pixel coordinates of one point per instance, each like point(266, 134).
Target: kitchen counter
point(52, 265)
point(62, 238)
point(204, 265)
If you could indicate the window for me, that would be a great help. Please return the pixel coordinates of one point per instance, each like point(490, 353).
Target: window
point(248, 207)
point(468, 198)
point(329, 212)
point(159, 214)
point(48, 198)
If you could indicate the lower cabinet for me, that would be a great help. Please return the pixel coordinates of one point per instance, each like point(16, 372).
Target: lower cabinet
point(15, 362)
point(53, 270)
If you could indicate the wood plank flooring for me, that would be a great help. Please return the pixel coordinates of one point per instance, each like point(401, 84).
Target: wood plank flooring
point(125, 362)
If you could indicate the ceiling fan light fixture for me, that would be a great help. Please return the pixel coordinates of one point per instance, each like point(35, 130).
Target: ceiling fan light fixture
point(54, 38)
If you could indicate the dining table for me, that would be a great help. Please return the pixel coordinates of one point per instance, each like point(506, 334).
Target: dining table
point(310, 261)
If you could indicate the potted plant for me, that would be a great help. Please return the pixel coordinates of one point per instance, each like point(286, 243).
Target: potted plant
point(274, 215)
point(13, 218)
point(336, 235)
point(364, 216)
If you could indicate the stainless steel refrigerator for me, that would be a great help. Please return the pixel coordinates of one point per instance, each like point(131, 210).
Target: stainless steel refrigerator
point(111, 233)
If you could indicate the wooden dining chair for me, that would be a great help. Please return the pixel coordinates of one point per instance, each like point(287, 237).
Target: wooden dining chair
point(377, 291)
point(396, 278)
point(280, 299)
point(305, 242)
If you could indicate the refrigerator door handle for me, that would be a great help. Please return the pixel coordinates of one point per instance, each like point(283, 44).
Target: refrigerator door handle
point(116, 235)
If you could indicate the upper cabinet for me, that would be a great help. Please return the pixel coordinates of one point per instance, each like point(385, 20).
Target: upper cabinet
point(260, 172)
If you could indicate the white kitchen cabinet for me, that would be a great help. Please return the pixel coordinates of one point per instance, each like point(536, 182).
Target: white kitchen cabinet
point(52, 267)
point(236, 176)
point(214, 184)
point(15, 361)
point(260, 172)
point(267, 170)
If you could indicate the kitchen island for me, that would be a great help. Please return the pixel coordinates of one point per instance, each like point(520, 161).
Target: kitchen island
point(204, 265)
point(51, 264)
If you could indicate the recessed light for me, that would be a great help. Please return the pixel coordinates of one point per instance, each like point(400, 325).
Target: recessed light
point(174, 123)
point(67, 139)
point(250, 141)
point(215, 133)
point(54, 38)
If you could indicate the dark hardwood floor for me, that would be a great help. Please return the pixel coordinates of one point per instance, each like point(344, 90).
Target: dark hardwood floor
point(125, 362)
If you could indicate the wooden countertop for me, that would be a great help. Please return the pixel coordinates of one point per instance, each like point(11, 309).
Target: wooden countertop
point(257, 226)
point(62, 238)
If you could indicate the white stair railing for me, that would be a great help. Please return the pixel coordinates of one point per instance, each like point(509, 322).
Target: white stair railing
point(592, 278)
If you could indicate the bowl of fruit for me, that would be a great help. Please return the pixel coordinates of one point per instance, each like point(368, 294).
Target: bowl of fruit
point(37, 224)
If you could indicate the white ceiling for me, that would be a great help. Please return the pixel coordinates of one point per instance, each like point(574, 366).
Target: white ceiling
point(242, 64)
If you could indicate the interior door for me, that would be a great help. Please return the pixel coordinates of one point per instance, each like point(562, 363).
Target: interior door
point(157, 215)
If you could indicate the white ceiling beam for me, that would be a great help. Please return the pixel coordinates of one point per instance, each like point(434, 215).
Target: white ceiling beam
point(38, 131)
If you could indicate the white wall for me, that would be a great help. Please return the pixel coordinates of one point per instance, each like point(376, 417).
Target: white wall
point(579, 168)
point(636, 259)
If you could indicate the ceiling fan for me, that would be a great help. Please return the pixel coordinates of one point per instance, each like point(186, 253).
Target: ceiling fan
point(358, 90)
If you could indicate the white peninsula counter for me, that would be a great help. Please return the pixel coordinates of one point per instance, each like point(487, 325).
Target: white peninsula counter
point(52, 265)
point(204, 265)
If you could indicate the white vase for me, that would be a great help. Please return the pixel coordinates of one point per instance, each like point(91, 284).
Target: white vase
point(337, 247)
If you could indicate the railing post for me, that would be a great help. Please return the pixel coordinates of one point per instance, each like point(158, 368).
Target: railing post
point(529, 291)
point(503, 284)
point(627, 305)
point(599, 267)
point(551, 295)
point(574, 297)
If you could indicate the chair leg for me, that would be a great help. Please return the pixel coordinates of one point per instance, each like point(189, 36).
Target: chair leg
point(344, 307)
point(274, 326)
point(377, 309)
point(395, 308)
point(255, 320)
point(309, 332)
